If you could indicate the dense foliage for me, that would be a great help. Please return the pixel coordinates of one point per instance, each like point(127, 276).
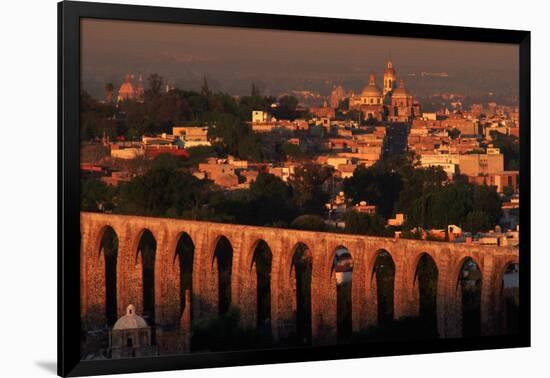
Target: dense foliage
point(161, 110)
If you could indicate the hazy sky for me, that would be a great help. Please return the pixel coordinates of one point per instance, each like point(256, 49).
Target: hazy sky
point(281, 61)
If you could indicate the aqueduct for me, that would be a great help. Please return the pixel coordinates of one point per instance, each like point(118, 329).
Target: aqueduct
point(181, 263)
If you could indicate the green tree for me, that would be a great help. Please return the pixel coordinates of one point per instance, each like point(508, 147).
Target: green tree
point(292, 151)
point(454, 133)
point(377, 186)
point(96, 196)
point(365, 224)
point(308, 194)
point(309, 222)
point(270, 200)
point(477, 221)
point(155, 84)
point(509, 147)
point(287, 107)
point(164, 190)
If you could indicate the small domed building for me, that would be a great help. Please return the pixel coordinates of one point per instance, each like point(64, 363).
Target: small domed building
point(370, 101)
point(131, 337)
point(389, 104)
point(129, 91)
point(401, 104)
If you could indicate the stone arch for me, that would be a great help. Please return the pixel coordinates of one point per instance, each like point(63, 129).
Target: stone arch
point(507, 294)
point(300, 275)
point(425, 283)
point(468, 294)
point(145, 256)
point(223, 258)
point(261, 270)
point(342, 276)
point(184, 257)
point(108, 250)
point(383, 278)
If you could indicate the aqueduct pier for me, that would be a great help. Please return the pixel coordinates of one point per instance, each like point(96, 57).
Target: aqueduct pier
point(175, 307)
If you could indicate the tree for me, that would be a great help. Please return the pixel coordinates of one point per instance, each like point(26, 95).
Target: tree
point(109, 88)
point(96, 196)
point(271, 200)
point(486, 199)
point(376, 185)
point(96, 119)
point(477, 221)
point(292, 151)
point(309, 222)
point(287, 107)
point(308, 194)
point(418, 182)
point(365, 224)
point(155, 84)
point(451, 204)
point(454, 133)
point(255, 92)
point(164, 190)
point(509, 147)
point(205, 89)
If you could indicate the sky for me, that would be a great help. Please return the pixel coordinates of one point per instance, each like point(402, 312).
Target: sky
point(282, 61)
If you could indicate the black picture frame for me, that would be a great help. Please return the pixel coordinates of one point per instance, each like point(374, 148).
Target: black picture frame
point(69, 15)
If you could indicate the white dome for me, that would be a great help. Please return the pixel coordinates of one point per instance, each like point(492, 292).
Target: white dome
point(130, 320)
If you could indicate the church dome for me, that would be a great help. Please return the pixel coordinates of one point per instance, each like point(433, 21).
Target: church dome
point(401, 91)
point(371, 90)
point(130, 320)
point(126, 90)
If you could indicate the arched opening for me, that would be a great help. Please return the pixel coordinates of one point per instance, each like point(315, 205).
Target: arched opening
point(185, 252)
point(262, 262)
point(384, 274)
point(510, 298)
point(302, 266)
point(469, 281)
point(223, 255)
point(109, 248)
point(342, 268)
point(148, 249)
point(426, 277)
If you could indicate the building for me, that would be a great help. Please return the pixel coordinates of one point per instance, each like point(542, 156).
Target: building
point(500, 180)
point(192, 136)
point(336, 96)
point(371, 100)
point(397, 221)
point(480, 164)
point(259, 116)
point(131, 337)
point(389, 78)
point(390, 103)
point(401, 109)
point(130, 91)
point(324, 111)
point(220, 172)
point(364, 207)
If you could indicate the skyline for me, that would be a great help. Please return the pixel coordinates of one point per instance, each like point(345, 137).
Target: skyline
point(282, 61)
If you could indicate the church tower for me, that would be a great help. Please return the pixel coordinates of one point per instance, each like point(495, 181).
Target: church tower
point(389, 78)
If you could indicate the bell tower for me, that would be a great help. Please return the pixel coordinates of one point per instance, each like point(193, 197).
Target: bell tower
point(389, 77)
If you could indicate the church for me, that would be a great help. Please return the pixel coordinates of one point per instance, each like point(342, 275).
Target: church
point(130, 91)
point(393, 103)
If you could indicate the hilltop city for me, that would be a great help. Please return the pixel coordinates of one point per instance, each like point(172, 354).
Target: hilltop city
point(372, 162)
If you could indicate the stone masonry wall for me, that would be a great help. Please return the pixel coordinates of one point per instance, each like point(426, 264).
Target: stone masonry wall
point(203, 300)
